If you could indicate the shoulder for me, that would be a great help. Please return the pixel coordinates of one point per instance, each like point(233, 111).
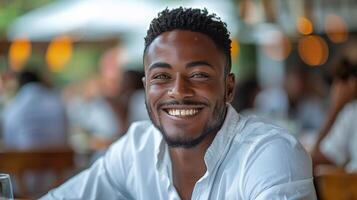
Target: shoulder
point(269, 157)
point(257, 135)
point(257, 130)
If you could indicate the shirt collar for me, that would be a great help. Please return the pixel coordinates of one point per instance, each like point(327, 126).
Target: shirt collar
point(221, 143)
point(216, 150)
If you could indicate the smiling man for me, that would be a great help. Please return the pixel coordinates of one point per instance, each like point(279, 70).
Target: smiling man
point(196, 145)
point(186, 81)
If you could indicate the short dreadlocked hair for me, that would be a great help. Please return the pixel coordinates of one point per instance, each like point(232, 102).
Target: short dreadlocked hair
point(195, 20)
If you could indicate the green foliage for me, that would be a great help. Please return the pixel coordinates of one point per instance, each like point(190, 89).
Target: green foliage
point(11, 9)
point(83, 64)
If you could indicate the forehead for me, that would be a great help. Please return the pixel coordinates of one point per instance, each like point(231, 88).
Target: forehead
point(183, 46)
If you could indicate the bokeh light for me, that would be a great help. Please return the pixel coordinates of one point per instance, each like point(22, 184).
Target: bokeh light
point(336, 28)
point(59, 53)
point(304, 26)
point(279, 47)
point(234, 49)
point(313, 50)
point(19, 53)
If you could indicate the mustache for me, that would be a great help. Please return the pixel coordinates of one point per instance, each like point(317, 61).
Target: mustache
point(182, 102)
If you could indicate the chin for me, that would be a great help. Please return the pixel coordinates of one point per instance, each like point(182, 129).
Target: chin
point(182, 140)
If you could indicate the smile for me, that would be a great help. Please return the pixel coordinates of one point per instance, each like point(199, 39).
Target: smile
point(182, 112)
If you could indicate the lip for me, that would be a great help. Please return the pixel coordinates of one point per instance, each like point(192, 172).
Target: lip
point(182, 107)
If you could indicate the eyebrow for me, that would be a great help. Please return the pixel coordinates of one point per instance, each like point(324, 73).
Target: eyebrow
point(159, 65)
point(198, 63)
point(188, 65)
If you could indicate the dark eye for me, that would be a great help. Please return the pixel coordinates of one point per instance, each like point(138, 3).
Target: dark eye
point(200, 75)
point(161, 77)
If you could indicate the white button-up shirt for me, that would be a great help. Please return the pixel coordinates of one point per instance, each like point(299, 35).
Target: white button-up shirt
point(248, 159)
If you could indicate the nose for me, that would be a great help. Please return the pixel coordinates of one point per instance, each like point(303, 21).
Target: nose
point(181, 88)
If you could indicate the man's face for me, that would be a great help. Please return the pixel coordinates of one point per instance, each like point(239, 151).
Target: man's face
point(186, 87)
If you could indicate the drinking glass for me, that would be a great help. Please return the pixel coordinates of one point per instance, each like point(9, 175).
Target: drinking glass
point(5, 187)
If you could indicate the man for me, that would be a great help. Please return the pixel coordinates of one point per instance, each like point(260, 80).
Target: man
point(336, 144)
point(196, 146)
point(36, 117)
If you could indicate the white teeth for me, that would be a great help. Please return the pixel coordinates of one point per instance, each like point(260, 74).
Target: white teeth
point(182, 112)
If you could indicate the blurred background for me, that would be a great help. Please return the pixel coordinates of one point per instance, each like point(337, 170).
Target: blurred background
point(70, 74)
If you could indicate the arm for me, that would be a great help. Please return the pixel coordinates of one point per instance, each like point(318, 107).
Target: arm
point(341, 94)
point(105, 179)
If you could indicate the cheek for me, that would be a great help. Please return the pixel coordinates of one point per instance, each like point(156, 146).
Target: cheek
point(213, 93)
point(154, 95)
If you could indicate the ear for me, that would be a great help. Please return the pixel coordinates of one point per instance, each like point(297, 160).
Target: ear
point(144, 81)
point(230, 85)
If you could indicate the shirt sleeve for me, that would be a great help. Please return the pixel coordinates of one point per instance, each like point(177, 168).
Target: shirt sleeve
point(335, 145)
point(105, 179)
point(278, 168)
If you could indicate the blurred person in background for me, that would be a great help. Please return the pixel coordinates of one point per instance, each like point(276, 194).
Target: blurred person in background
point(337, 141)
point(296, 105)
point(107, 117)
point(127, 107)
point(35, 119)
point(36, 116)
point(134, 96)
point(102, 107)
point(245, 94)
point(305, 103)
point(94, 106)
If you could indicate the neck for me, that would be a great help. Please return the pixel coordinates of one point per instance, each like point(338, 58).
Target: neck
point(185, 158)
point(188, 166)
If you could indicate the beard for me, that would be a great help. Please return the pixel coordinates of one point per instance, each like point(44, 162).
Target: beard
point(212, 125)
